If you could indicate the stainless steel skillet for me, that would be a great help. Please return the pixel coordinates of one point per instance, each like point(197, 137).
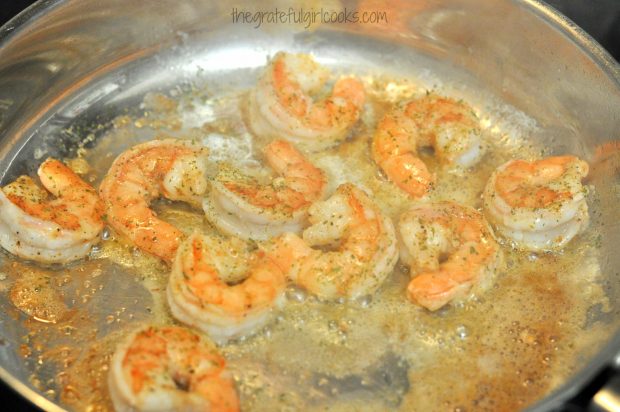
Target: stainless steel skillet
point(82, 62)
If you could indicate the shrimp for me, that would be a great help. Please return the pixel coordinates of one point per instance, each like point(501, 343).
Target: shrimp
point(281, 105)
point(363, 240)
point(240, 206)
point(539, 205)
point(450, 249)
point(394, 150)
point(450, 127)
point(170, 368)
point(199, 294)
point(171, 168)
point(50, 230)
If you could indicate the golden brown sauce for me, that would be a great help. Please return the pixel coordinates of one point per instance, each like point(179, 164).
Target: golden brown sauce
point(498, 351)
point(34, 294)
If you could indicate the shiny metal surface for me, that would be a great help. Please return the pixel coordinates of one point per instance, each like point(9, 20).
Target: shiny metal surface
point(607, 399)
point(80, 63)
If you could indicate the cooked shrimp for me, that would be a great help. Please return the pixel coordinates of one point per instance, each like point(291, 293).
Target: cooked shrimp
point(241, 206)
point(394, 150)
point(170, 368)
point(281, 105)
point(450, 127)
point(364, 246)
point(539, 205)
point(451, 252)
point(199, 295)
point(50, 230)
point(171, 168)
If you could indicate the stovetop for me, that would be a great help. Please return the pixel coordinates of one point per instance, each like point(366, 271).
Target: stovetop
point(599, 18)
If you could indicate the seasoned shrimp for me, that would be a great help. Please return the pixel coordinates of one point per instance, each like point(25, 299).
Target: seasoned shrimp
point(539, 205)
point(199, 294)
point(50, 230)
point(281, 106)
point(450, 127)
point(364, 241)
point(170, 368)
point(171, 168)
point(241, 206)
point(451, 252)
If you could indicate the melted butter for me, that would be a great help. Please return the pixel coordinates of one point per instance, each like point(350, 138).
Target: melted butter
point(34, 294)
point(501, 350)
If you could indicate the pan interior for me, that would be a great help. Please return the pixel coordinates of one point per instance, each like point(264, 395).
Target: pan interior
point(198, 77)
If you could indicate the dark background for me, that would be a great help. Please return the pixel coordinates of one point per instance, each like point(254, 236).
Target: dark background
point(600, 18)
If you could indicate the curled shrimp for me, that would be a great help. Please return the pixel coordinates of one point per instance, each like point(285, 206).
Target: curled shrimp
point(449, 126)
point(363, 242)
point(199, 293)
point(171, 168)
point(241, 206)
point(170, 368)
point(50, 230)
point(281, 105)
point(539, 205)
point(450, 250)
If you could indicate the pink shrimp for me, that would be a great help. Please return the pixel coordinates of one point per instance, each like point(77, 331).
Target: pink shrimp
point(51, 230)
point(451, 252)
point(281, 105)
